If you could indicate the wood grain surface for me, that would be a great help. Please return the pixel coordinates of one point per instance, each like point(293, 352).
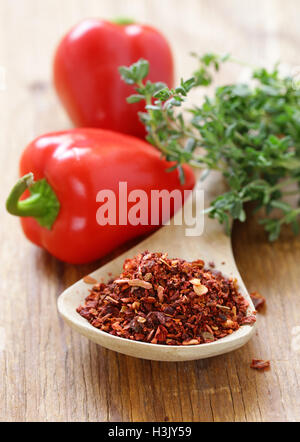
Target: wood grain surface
point(49, 373)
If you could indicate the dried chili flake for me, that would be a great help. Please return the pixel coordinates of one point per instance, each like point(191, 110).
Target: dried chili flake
point(200, 289)
point(160, 293)
point(260, 364)
point(89, 280)
point(250, 319)
point(258, 300)
point(191, 342)
point(184, 304)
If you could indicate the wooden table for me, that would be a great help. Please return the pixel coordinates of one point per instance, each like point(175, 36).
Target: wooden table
point(50, 373)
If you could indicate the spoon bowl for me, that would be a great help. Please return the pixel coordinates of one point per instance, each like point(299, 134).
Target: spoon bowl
point(212, 246)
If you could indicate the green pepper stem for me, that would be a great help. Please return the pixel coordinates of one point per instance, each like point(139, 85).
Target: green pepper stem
point(123, 21)
point(42, 204)
point(31, 206)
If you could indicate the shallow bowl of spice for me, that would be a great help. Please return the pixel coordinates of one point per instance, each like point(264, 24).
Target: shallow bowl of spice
point(160, 309)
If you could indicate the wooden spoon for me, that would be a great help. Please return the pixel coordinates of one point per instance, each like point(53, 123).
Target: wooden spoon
point(213, 245)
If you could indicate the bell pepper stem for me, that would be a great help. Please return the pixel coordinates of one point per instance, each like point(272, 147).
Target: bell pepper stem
point(42, 204)
point(123, 21)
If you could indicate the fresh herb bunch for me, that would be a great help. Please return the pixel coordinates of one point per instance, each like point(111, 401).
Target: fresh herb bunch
point(251, 134)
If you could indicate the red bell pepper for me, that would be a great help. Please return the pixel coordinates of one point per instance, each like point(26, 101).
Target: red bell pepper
point(59, 210)
point(86, 72)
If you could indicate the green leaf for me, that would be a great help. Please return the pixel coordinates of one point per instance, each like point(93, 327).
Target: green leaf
point(285, 207)
point(248, 132)
point(135, 98)
point(136, 72)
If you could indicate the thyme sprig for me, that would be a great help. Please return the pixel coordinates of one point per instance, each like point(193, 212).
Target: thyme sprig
point(250, 133)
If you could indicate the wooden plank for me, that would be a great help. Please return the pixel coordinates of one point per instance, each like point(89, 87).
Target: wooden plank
point(49, 373)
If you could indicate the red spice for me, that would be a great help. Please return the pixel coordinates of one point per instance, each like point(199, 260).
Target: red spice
point(259, 364)
point(89, 280)
point(167, 301)
point(258, 300)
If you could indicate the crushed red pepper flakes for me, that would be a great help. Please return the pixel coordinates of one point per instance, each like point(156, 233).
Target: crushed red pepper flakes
point(167, 301)
point(260, 364)
point(258, 300)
